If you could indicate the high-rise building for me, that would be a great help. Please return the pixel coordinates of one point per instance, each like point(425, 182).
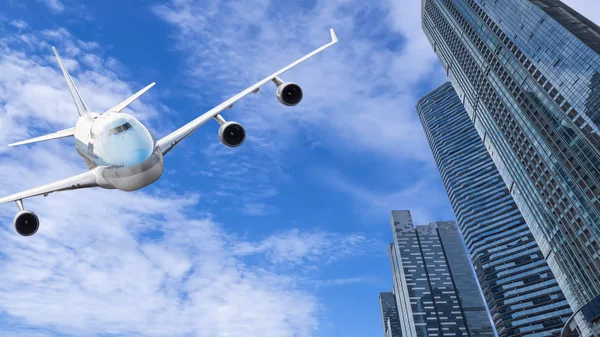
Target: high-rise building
point(526, 72)
point(436, 292)
point(522, 294)
point(389, 315)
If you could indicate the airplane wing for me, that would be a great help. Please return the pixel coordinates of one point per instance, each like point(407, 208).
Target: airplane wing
point(172, 139)
point(58, 134)
point(84, 180)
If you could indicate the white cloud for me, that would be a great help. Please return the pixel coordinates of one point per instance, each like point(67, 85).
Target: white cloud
point(587, 8)
point(342, 281)
point(55, 6)
point(359, 95)
point(420, 197)
point(148, 267)
point(257, 209)
point(110, 262)
point(295, 247)
point(89, 275)
point(19, 24)
point(243, 179)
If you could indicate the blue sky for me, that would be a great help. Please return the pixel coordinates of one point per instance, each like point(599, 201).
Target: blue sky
point(284, 236)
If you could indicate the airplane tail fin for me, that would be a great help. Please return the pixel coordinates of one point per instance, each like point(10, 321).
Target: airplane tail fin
point(81, 107)
point(125, 103)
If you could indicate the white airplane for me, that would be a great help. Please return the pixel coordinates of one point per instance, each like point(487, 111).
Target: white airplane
point(121, 153)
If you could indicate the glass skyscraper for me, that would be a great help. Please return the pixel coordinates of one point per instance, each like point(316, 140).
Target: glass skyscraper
point(522, 294)
point(436, 291)
point(389, 315)
point(527, 74)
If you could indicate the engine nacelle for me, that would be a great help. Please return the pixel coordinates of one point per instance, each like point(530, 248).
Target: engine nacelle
point(26, 223)
point(232, 134)
point(289, 93)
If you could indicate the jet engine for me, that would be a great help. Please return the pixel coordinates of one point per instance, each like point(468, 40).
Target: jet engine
point(232, 134)
point(26, 223)
point(289, 93)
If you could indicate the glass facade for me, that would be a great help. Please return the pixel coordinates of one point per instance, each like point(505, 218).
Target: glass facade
point(521, 292)
point(389, 315)
point(527, 72)
point(436, 292)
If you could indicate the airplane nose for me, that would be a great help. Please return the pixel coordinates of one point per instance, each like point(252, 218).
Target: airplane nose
point(139, 155)
point(135, 177)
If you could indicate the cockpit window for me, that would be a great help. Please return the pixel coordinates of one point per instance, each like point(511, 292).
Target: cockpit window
point(119, 129)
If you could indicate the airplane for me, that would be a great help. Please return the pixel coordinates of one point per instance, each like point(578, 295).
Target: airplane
point(122, 154)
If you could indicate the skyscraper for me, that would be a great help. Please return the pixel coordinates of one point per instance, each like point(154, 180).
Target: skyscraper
point(524, 70)
point(521, 292)
point(389, 315)
point(436, 291)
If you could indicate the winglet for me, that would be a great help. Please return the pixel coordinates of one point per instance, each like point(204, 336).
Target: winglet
point(334, 38)
point(125, 103)
point(81, 107)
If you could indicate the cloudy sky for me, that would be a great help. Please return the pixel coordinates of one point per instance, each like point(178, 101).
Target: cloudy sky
point(284, 236)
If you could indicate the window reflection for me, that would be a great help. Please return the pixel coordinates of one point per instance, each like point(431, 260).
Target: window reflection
point(119, 129)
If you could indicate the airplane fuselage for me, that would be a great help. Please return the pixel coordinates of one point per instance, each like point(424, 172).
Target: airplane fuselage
point(120, 149)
